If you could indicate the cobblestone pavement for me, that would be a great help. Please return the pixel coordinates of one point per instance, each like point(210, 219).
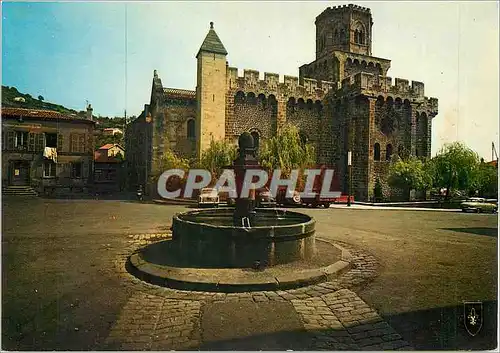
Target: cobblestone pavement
point(65, 287)
point(150, 322)
point(158, 318)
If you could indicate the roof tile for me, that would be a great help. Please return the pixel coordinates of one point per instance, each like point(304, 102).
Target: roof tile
point(212, 43)
point(40, 114)
point(179, 93)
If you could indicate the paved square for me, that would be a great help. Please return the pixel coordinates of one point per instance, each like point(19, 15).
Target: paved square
point(65, 286)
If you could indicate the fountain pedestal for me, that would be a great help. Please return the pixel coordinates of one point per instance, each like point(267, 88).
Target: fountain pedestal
point(244, 212)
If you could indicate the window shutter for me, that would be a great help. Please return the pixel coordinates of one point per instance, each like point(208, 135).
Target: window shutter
point(90, 144)
point(11, 136)
point(38, 142)
point(60, 142)
point(73, 138)
point(81, 143)
point(31, 142)
point(84, 143)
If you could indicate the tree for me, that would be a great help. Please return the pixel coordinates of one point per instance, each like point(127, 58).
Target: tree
point(41, 99)
point(217, 156)
point(169, 160)
point(377, 191)
point(409, 174)
point(286, 151)
point(455, 167)
point(101, 139)
point(486, 180)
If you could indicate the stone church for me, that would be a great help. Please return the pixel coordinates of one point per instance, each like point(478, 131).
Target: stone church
point(342, 101)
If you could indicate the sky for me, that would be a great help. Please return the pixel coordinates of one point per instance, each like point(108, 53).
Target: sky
point(105, 52)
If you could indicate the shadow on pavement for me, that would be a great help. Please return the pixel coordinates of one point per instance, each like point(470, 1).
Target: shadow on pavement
point(444, 329)
point(252, 326)
point(490, 232)
point(434, 329)
point(277, 341)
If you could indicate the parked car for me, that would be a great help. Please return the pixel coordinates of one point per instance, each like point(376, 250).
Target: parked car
point(477, 204)
point(263, 198)
point(208, 198)
point(284, 198)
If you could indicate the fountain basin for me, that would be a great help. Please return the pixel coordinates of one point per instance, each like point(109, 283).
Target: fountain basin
point(208, 238)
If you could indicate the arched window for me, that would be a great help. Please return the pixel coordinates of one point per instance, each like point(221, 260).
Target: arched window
point(251, 99)
point(318, 107)
point(359, 33)
point(191, 129)
point(376, 152)
point(239, 97)
point(291, 105)
point(256, 139)
point(388, 152)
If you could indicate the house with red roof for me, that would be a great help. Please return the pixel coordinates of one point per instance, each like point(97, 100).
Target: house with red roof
point(109, 168)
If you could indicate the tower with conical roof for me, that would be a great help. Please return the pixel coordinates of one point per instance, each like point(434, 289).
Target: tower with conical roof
point(211, 91)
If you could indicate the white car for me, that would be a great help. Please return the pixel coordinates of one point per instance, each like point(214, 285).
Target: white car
point(209, 197)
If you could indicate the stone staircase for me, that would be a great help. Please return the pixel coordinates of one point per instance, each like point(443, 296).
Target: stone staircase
point(13, 190)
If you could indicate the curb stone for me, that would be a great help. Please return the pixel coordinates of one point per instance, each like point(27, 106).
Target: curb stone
point(339, 319)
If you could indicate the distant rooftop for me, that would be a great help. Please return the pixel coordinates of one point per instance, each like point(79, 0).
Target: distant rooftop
point(41, 114)
point(179, 93)
point(110, 145)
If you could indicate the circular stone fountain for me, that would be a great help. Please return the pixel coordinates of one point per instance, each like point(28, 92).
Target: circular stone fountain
point(209, 238)
point(239, 249)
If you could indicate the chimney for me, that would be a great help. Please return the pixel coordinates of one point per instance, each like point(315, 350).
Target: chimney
point(89, 112)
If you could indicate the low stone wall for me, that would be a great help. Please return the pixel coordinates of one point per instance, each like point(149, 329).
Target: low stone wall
point(201, 241)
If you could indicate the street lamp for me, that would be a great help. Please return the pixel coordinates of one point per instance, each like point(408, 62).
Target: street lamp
point(349, 166)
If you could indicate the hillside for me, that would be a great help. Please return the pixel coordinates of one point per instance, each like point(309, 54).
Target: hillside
point(10, 93)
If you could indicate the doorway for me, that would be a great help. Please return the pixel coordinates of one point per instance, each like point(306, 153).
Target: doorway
point(19, 173)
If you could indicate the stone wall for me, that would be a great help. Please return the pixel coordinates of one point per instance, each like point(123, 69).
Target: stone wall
point(252, 105)
point(251, 113)
point(308, 118)
point(422, 133)
point(351, 132)
point(392, 134)
point(171, 128)
point(138, 147)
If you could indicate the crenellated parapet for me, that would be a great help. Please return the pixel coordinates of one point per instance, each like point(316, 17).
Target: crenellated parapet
point(342, 8)
point(373, 85)
point(431, 106)
point(290, 86)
